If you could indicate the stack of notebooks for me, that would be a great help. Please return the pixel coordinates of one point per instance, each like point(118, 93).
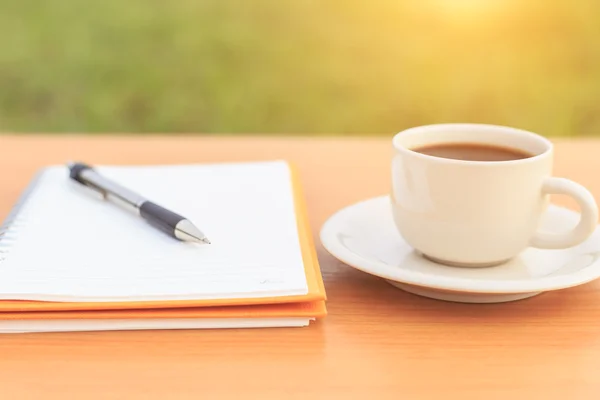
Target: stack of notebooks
point(70, 261)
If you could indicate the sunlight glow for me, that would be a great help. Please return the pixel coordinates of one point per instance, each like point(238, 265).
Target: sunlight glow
point(468, 9)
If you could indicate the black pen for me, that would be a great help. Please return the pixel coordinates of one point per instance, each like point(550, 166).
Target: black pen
point(165, 220)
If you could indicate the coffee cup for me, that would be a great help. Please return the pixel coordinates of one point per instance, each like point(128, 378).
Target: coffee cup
point(473, 195)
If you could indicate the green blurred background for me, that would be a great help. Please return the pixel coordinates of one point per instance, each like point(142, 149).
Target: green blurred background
point(298, 66)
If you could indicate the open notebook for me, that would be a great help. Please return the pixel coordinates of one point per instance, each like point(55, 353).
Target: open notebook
point(70, 261)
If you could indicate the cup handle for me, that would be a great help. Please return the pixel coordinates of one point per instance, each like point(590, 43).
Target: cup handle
point(587, 222)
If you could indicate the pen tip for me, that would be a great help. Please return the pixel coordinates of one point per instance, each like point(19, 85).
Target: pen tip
point(185, 230)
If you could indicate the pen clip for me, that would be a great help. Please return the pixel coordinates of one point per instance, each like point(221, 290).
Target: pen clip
point(96, 189)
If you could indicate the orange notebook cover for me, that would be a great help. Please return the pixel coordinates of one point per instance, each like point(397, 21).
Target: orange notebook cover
point(309, 305)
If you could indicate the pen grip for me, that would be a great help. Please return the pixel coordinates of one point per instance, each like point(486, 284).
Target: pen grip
point(160, 217)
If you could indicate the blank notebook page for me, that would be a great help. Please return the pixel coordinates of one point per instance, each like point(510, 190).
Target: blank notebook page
point(67, 244)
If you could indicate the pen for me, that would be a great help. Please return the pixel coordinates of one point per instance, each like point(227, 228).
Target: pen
point(159, 217)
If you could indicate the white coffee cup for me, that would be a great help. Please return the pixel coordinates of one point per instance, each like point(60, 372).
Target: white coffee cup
point(479, 213)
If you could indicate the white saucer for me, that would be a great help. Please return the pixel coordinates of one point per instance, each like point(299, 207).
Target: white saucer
point(364, 236)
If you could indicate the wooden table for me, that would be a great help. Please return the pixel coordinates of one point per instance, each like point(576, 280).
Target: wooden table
point(377, 340)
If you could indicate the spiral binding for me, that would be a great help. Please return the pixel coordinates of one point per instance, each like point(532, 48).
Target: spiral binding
point(15, 219)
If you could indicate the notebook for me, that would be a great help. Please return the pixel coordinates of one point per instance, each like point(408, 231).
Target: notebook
point(71, 261)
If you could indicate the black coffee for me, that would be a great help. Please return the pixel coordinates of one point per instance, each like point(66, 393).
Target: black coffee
point(473, 152)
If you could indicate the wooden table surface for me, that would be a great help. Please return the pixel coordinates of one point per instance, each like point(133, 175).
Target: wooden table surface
point(376, 340)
